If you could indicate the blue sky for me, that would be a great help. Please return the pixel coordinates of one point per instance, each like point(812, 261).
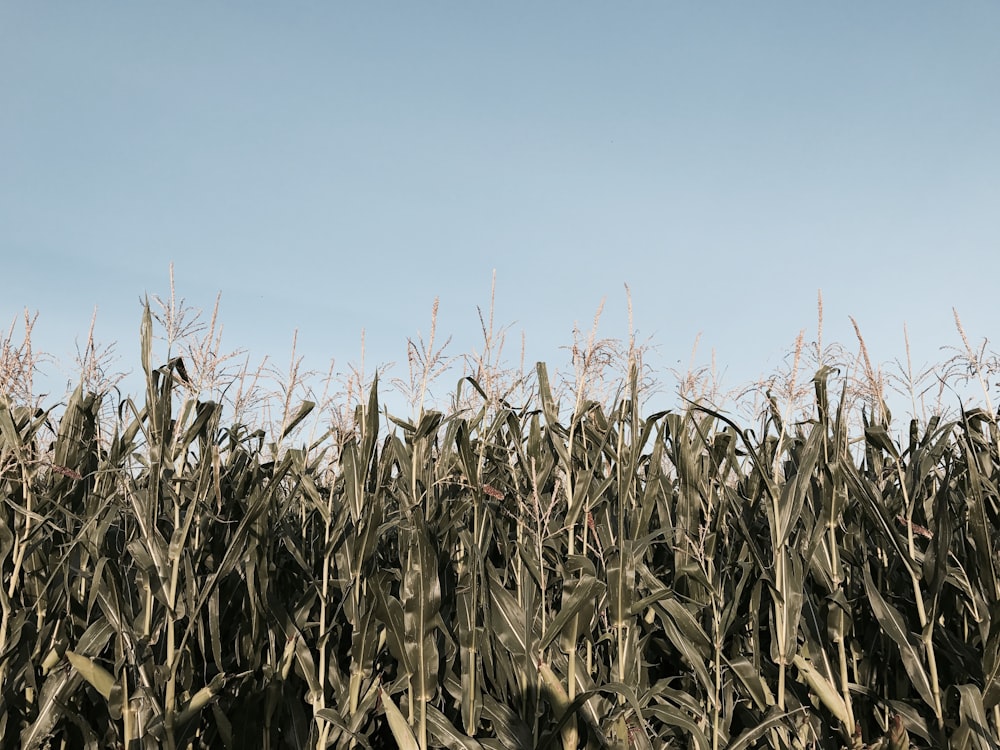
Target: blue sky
point(333, 167)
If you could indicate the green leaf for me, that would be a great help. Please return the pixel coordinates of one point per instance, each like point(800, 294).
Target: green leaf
point(751, 679)
point(507, 620)
point(401, 731)
point(972, 715)
point(878, 437)
point(446, 735)
point(824, 689)
point(305, 408)
point(796, 490)
point(421, 597)
point(99, 678)
point(673, 716)
point(53, 702)
point(773, 720)
point(587, 589)
point(894, 626)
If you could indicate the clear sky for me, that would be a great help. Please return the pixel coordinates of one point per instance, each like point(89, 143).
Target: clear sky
point(332, 167)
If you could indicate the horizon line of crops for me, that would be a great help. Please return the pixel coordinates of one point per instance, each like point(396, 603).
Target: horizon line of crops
point(514, 575)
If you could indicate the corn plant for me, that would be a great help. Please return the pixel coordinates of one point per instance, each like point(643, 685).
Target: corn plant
point(560, 572)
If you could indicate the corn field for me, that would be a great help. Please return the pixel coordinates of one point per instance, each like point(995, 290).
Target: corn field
point(508, 576)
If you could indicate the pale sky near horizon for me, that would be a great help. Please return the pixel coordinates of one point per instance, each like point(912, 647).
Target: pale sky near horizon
point(333, 167)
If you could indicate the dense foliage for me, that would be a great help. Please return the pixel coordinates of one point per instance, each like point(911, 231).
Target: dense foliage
point(507, 577)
